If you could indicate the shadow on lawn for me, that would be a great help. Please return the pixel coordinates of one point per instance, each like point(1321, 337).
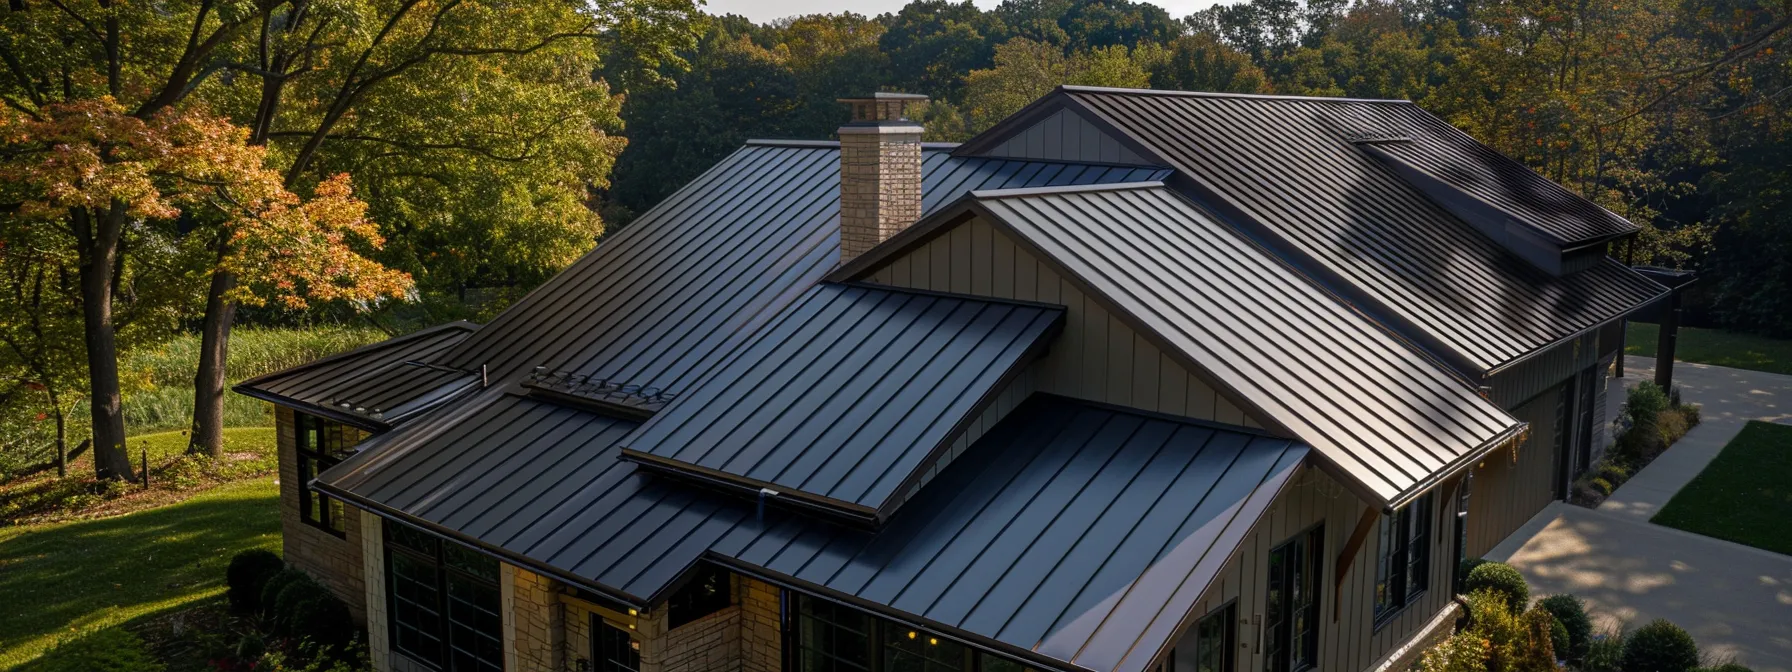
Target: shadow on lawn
point(74, 576)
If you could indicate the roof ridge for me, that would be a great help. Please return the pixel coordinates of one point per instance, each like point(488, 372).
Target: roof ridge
point(825, 144)
point(1224, 94)
point(1020, 192)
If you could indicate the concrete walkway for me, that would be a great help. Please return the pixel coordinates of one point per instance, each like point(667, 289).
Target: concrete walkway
point(1735, 600)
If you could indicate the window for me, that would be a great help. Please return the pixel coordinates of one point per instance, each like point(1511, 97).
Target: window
point(613, 648)
point(828, 637)
point(1216, 640)
point(1292, 619)
point(1404, 563)
point(444, 602)
point(709, 591)
point(320, 446)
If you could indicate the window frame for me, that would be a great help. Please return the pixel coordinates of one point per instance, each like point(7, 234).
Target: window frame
point(1403, 558)
point(1227, 617)
point(879, 650)
point(1280, 634)
point(451, 588)
point(318, 445)
point(602, 659)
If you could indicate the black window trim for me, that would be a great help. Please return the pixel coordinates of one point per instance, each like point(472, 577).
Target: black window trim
point(443, 569)
point(977, 657)
point(1309, 534)
point(307, 431)
point(599, 661)
point(682, 600)
point(1228, 611)
point(1400, 566)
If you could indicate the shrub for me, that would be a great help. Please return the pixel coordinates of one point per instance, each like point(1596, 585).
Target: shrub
point(1602, 486)
point(322, 620)
point(1491, 619)
point(1468, 565)
point(1691, 413)
point(270, 591)
point(1611, 472)
point(1536, 649)
point(1558, 638)
point(247, 575)
point(1660, 646)
point(294, 594)
point(1462, 652)
point(1672, 425)
point(1645, 401)
point(1572, 614)
point(105, 650)
point(1605, 652)
point(1503, 579)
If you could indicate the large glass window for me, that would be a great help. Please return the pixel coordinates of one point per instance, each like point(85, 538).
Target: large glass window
point(613, 648)
point(829, 637)
point(1403, 564)
point(1292, 619)
point(320, 446)
point(444, 602)
point(1216, 640)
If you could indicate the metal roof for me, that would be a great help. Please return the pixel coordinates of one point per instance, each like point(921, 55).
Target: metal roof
point(1287, 169)
point(374, 386)
point(848, 395)
point(1391, 420)
point(1070, 532)
point(659, 302)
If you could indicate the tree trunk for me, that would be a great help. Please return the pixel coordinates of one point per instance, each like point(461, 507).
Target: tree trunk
point(99, 237)
point(208, 383)
point(61, 438)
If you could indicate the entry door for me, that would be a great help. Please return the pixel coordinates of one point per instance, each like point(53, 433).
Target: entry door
point(1583, 421)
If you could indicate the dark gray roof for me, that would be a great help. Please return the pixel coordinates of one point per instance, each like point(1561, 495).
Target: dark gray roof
point(1287, 168)
point(1068, 532)
point(847, 396)
point(657, 303)
point(1391, 420)
point(374, 386)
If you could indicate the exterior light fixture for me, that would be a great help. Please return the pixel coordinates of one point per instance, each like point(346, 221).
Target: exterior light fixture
point(933, 641)
point(632, 612)
point(911, 634)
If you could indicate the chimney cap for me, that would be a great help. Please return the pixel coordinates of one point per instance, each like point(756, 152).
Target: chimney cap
point(882, 108)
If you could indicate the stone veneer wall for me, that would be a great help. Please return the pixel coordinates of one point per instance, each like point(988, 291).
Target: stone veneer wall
point(761, 626)
point(335, 561)
point(373, 567)
point(534, 637)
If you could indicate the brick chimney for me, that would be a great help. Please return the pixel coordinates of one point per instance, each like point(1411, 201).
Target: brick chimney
point(880, 171)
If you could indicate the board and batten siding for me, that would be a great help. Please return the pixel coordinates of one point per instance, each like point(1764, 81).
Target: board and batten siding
point(1065, 136)
point(1098, 357)
point(1350, 641)
point(1509, 490)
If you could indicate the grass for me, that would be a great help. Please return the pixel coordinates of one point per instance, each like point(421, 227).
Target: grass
point(158, 381)
point(1744, 495)
point(1715, 347)
point(60, 580)
point(42, 497)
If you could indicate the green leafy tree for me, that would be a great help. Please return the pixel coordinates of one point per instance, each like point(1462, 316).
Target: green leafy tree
point(1025, 70)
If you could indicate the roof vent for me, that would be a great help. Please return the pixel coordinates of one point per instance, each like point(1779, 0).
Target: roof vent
point(1375, 137)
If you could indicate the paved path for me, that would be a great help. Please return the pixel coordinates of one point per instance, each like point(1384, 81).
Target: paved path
point(1728, 399)
point(1736, 600)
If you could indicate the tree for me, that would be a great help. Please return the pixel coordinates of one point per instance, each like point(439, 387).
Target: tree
point(101, 146)
point(477, 124)
point(932, 43)
point(1201, 62)
point(1025, 70)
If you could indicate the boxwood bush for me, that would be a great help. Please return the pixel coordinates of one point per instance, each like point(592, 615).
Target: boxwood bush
point(247, 575)
point(1501, 578)
point(1572, 614)
point(1660, 646)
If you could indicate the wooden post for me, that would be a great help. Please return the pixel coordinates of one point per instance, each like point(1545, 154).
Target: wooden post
point(1665, 341)
point(145, 467)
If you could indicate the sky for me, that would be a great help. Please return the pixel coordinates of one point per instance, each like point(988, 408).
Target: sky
point(761, 11)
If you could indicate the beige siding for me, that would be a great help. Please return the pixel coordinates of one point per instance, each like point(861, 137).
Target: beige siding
point(1508, 490)
point(1098, 357)
point(1348, 642)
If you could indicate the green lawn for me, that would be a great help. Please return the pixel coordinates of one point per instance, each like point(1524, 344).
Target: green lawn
point(1715, 347)
point(59, 579)
point(1745, 495)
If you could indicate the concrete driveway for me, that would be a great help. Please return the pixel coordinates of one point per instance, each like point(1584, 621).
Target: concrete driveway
point(1736, 600)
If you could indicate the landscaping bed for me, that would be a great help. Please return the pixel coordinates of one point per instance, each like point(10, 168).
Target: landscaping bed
point(1744, 495)
point(1650, 422)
